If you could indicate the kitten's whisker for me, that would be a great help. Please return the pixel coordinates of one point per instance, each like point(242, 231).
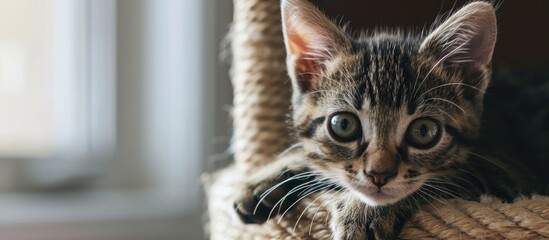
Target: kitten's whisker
point(441, 188)
point(295, 202)
point(438, 198)
point(297, 176)
point(421, 192)
point(307, 189)
point(495, 162)
point(282, 199)
point(268, 191)
point(348, 194)
point(306, 174)
point(470, 173)
point(304, 186)
point(464, 60)
point(450, 116)
point(319, 91)
point(290, 149)
point(447, 101)
point(444, 177)
point(333, 192)
point(318, 75)
point(321, 182)
point(447, 182)
point(452, 84)
point(309, 205)
point(441, 179)
point(413, 197)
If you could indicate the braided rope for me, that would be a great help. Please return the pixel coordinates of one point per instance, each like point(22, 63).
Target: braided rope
point(261, 104)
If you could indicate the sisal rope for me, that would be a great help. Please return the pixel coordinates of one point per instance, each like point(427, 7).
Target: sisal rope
point(262, 90)
point(261, 104)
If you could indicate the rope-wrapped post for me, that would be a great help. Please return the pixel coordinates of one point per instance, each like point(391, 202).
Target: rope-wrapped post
point(261, 89)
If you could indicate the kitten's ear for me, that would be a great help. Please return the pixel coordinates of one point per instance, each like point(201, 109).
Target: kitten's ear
point(311, 39)
point(466, 39)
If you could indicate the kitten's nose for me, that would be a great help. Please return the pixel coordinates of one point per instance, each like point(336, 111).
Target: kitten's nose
point(380, 178)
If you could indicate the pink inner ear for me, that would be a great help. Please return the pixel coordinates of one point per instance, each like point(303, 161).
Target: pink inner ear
point(310, 39)
point(297, 43)
point(300, 48)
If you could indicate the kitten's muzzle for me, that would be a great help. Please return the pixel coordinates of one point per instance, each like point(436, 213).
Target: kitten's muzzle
point(380, 178)
point(381, 166)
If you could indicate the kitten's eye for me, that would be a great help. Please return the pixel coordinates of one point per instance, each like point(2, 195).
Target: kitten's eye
point(344, 127)
point(423, 133)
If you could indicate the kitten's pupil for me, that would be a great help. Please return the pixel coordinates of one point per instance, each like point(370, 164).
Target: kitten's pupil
point(344, 124)
point(423, 130)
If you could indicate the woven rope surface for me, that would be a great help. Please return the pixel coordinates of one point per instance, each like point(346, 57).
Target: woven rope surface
point(261, 89)
point(261, 104)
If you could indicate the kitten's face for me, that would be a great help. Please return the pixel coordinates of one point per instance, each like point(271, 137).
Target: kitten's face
point(387, 114)
point(374, 114)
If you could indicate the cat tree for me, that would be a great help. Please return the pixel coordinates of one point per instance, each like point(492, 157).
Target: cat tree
point(261, 103)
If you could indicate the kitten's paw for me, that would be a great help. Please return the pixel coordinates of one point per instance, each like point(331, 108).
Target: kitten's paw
point(249, 208)
point(259, 202)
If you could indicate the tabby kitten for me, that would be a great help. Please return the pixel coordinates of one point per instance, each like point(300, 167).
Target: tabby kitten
point(386, 120)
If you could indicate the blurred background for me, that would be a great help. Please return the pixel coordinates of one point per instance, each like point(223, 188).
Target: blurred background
point(109, 113)
point(110, 110)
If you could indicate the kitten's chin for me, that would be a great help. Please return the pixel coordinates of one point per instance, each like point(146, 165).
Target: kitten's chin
point(389, 194)
point(377, 198)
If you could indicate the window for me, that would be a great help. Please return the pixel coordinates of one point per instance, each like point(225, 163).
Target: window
point(55, 79)
point(25, 61)
point(110, 107)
